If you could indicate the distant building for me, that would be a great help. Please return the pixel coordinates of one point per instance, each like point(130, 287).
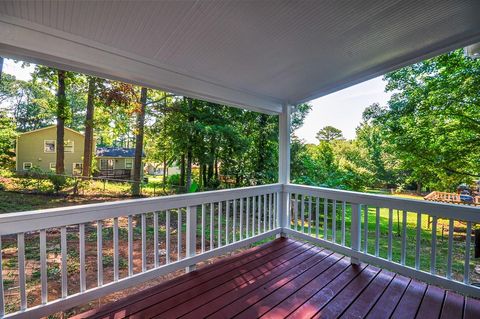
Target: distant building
point(38, 149)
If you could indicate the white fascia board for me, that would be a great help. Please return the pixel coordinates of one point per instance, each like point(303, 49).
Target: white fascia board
point(35, 43)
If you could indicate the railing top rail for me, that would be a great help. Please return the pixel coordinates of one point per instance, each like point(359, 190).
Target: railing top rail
point(443, 210)
point(12, 223)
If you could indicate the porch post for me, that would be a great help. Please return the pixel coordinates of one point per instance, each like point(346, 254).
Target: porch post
point(284, 165)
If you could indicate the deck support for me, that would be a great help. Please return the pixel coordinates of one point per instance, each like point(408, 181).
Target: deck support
point(284, 120)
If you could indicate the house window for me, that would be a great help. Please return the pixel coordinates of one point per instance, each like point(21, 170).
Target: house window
point(49, 146)
point(53, 166)
point(106, 164)
point(68, 148)
point(77, 169)
point(129, 163)
point(27, 166)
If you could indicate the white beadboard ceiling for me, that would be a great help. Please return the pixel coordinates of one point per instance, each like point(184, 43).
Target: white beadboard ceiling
point(253, 54)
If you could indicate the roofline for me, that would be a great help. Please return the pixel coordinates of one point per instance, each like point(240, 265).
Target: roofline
point(49, 127)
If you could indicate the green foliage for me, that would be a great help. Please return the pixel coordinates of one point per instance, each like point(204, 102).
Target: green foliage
point(7, 138)
point(58, 182)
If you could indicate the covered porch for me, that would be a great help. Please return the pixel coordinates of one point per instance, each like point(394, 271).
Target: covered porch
point(325, 251)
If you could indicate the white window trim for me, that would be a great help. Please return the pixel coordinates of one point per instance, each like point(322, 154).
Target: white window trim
point(130, 160)
point(54, 165)
point(73, 167)
point(73, 147)
point(107, 159)
point(31, 165)
point(45, 141)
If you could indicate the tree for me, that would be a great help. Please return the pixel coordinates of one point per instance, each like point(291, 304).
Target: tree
point(89, 124)
point(329, 133)
point(139, 133)
point(61, 116)
point(7, 136)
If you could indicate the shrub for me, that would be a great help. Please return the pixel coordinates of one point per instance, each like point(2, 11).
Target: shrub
point(174, 180)
point(58, 182)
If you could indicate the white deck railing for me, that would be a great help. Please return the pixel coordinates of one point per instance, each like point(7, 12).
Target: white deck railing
point(92, 250)
point(420, 239)
point(190, 228)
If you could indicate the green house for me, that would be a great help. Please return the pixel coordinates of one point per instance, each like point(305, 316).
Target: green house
point(38, 148)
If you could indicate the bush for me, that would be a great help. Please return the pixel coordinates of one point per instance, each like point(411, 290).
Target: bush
point(174, 180)
point(58, 182)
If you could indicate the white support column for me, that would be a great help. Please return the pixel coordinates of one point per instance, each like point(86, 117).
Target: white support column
point(284, 164)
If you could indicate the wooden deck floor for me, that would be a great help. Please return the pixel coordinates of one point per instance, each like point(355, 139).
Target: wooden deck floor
point(286, 278)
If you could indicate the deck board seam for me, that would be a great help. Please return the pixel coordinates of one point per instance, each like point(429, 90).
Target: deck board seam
point(421, 301)
point(401, 297)
point(380, 296)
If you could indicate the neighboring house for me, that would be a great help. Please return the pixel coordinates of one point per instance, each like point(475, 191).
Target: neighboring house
point(38, 148)
point(157, 169)
point(116, 162)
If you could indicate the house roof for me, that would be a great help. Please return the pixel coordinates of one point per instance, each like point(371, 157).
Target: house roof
point(253, 54)
point(116, 152)
point(50, 127)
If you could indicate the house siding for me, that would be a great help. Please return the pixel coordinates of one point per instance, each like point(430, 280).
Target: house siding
point(30, 148)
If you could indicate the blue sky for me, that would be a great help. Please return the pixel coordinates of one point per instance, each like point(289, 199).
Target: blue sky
point(342, 109)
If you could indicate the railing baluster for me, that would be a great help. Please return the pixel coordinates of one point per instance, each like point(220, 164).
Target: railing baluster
point(155, 240)
point(325, 218)
point(191, 235)
point(309, 215)
point(227, 222)
point(433, 256)
point(203, 228)
point(219, 224)
point(130, 246)
point(344, 208)
point(259, 212)
point(81, 239)
point(2, 298)
point(241, 218)
point(404, 237)
point(365, 229)
point(296, 212)
point(144, 242)
point(265, 213)
point(418, 244)
point(63, 252)
point(234, 226)
point(377, 231)
point(334, 221)
point(450, 248)
point(466, 269)
point(270, 211)
point(99, 254)
point(115, 249)
point(247, 219)
point(390, 233)
point(21, 270)
point(179, 234)
point(317, 215)
point(302, 217)
point(253, 215)
point(43, 265)
point(167, 237)
point(212, 222)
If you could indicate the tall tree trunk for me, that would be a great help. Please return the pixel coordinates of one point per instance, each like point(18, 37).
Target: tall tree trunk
point(182, 171)
point(137, 163)
point(88, 143)
point(164, 170)
point(61, 116)
point(191, 119)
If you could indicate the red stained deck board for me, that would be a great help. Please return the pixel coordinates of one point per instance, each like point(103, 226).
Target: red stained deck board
point(453, 306)
point(204, 305)
point(286, 278)
point(218, 286)
point(360, 307)
point(390, 298)
point(472, 309)
point(206, 272)
point(432, 303)
point(281, 273)
point(324, 295)
point(240, 305)
point(410, 302)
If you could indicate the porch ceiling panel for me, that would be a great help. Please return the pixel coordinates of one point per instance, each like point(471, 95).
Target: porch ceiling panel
point(253, 54)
